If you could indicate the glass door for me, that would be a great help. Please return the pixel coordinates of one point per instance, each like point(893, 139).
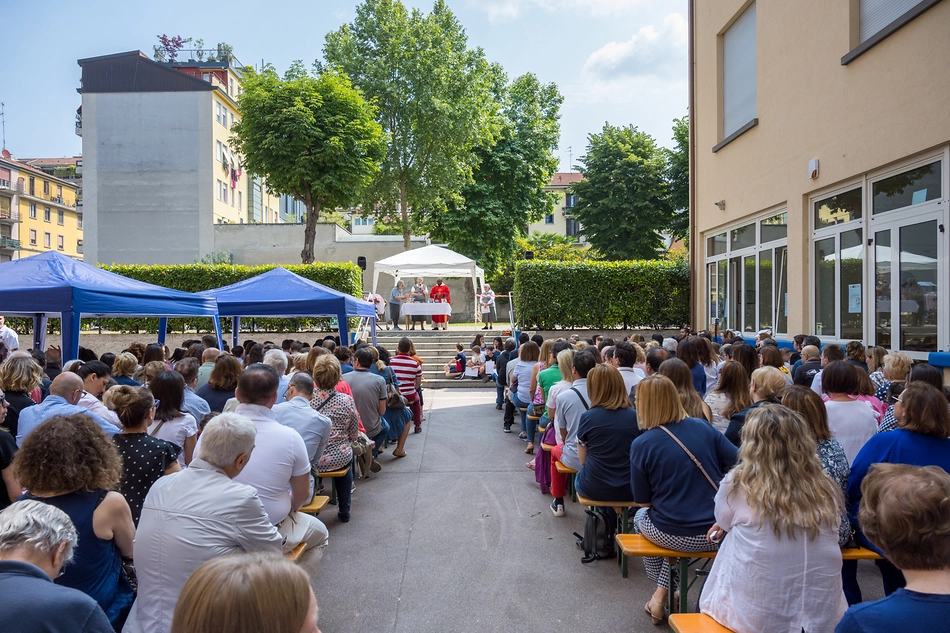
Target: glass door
point(909, 270)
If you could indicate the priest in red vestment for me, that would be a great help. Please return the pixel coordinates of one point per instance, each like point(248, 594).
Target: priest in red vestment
point(440, 293)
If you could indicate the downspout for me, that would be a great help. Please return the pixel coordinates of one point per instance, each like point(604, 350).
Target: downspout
point(694, 246)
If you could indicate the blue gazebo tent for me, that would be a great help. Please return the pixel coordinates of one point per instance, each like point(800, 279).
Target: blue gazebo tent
point(281, 293)
point(52, 284)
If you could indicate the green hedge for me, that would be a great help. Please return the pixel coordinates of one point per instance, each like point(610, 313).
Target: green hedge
point(345, 277)
point(600, 295)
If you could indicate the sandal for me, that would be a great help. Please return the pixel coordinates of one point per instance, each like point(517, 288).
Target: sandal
point(652, 609)
point(397, 454)
point(530, 449)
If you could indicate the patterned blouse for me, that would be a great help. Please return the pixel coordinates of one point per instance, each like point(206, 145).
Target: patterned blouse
point(835, 463)
point(341, 409)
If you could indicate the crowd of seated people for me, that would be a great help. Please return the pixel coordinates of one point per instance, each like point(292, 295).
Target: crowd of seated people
point(148, 472)
point(763, 455)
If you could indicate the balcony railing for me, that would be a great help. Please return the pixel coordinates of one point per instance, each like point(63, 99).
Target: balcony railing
point(5, 184)
point(9, 215)
point(9, 243)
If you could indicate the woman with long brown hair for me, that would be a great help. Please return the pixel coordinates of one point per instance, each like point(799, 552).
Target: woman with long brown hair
point(222, 382)
point(730, 396)
point(678, 372)
point(777, 516)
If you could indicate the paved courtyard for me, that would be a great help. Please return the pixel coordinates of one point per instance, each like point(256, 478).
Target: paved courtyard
point(456, 537)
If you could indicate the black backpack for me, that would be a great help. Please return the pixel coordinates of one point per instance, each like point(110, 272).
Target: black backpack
point(598, 539)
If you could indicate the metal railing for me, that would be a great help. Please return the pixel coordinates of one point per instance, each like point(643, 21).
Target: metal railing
point(9, 215)
point(9, 243)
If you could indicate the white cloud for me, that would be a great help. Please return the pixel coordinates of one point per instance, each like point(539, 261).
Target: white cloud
point(509, 9)
point(653, 51)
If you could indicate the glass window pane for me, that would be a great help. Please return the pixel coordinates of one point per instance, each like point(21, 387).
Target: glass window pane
point(851, 285)
point(713, 292)
point(721, 301)
point(825, 257)
point(910, 188)
point(765, 289)
point(882, 288)
point(743, 237)
point(774, 228)
point(918, 263)
point(838, 209)
point(748, 293)
point(781, 290)
point(716, 245)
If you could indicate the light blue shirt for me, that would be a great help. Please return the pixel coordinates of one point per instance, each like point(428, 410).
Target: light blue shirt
point(32, 417)
point(282, 384)
point(313, 427)
point(194, 404)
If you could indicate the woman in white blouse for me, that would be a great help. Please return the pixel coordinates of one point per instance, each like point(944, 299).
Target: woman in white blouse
point(171, 423)
point(730, 396)
point(777, 516)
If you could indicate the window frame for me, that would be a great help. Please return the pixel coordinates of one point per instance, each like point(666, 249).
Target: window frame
point(60, 217)
point(60, 242)
point(858, 47)
point(726, 136)
point(47, 240)
point(34, 236)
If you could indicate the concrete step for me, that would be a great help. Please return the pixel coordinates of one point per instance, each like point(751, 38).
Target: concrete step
point(451, 383)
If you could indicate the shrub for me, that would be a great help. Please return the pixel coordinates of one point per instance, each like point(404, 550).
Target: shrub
point(600, 295)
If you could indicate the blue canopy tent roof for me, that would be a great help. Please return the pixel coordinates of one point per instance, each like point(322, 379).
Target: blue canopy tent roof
point(52, 283)
point(281, 293)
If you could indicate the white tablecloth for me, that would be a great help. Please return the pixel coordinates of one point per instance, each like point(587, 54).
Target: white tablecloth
point(410, 309)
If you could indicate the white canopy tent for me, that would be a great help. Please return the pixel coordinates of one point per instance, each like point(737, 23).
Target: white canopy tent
point(430, 261)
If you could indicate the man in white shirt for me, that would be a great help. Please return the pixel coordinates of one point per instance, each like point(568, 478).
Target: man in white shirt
point(195, 515)
point(280, 470)
point(296, 412)
point(571, 405)
point(625, 356)
point(8, 337)
point(829, 353)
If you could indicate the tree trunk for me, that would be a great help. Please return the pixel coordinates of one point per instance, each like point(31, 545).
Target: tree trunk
point(310, 232)
point(404, 209)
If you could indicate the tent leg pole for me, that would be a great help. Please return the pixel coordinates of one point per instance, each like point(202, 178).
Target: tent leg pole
point(372, 329)
point(162, 330)
point(217, 331)
point(235, 330)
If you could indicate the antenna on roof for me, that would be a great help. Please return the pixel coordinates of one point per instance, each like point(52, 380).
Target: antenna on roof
point(3, 124)
point(570, 160)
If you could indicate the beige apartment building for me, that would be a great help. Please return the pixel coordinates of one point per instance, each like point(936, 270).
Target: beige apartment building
point(820, 163)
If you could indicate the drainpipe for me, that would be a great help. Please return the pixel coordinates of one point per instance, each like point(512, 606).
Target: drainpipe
point(694, 244)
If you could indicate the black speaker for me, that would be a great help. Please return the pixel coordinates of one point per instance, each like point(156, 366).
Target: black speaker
point(361, 262)
point(529, 254)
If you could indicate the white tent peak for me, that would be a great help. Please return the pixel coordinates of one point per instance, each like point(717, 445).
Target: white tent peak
point(429, 261)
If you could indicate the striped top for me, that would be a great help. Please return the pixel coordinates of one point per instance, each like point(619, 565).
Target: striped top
point(406, 368)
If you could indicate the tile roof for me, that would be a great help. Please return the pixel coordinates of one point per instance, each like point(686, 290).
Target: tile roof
point(563, 179)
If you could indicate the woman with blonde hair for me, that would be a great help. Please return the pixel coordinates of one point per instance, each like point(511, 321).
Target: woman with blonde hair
point(149, 370)
point(730, 396)
point(676, 465)
point(19, 376)
point(777, 516)
point(896, 367)
point(123, 368)
point(875, 359)
point(604, 436)
point(767, 387)
point(677, 371)
point(246, 593)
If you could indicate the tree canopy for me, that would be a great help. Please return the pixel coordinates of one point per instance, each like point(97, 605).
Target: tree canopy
point(623, 202)
point(435, 104)
point(678, 178)
point(507, 192)
point(315, 138)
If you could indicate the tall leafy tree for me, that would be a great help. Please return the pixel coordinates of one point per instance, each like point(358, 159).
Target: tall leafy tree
point(434, 102)
point(507, 192)
point(623, 202)
point(315, 138)
point(678, 178)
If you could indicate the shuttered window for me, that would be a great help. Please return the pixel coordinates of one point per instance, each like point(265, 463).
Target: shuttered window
point(738, 76)
point(876, 14)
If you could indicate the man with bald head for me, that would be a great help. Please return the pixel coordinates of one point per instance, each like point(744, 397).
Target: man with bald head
point(64, 392)
point(811, 365)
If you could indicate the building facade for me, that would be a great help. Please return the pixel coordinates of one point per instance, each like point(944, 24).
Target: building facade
point(158, 170)
point(820, 162)
point(37, 212)
point(559, 219)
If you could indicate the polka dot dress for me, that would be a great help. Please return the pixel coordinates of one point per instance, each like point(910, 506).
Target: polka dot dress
point(144, 460)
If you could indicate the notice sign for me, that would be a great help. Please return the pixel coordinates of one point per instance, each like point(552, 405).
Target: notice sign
point(854, 298)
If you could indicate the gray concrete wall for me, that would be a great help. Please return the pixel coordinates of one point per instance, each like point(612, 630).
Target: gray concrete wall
point(143, 165)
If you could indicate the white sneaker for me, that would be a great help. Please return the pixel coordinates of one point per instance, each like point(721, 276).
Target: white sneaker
point(557, 508)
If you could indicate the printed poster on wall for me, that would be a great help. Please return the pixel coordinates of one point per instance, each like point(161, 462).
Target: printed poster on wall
point(854, 298)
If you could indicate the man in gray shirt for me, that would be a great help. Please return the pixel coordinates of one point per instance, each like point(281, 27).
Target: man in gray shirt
point(296, 412)
point(571, 405)
point(369, 393)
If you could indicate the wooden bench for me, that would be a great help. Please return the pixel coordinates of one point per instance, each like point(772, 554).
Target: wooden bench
point(295, 553)
point(333, 474)
point(622, 528)
point(546, 447)
point(695, 623)
point(570, 472)
point(639, 545)
point(316, 504)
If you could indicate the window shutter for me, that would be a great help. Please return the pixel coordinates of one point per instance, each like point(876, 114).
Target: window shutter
point(874, 15)
point(738, 77)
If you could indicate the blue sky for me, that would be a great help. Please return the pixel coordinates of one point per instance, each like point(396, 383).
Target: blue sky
point(617, 61)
